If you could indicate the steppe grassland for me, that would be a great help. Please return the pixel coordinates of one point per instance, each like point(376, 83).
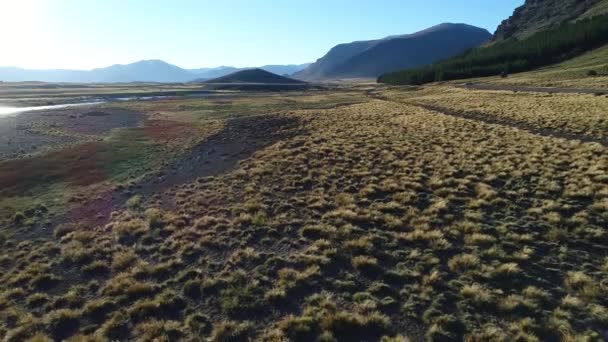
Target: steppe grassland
point(384, 219)
point(584, 114)
point(231, 105)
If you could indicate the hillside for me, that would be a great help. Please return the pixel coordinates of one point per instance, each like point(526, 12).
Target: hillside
point(588, 71)
point(513, 55)
point(539, 15)
point(254, 76)
point(375, 57)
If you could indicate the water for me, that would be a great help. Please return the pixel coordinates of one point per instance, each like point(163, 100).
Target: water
point(4, 111)
point(8, 110)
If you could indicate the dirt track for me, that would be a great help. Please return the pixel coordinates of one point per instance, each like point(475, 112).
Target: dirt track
point(480, 86)
point(495, 120)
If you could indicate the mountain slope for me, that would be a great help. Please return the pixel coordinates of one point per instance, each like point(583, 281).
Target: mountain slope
point(538, 15)
point(375, 57)
point(543, 48)
point(254, 76)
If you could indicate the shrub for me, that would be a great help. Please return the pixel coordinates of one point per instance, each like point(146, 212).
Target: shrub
point(317, 231)
point(98, 309)
point(230, 331)
point(134, 202)
point(365, 263)
point(193, 288)
point(124, 259)
point(302, 328)
point(62, 323)
point(352, 326)
point(96, 268)
point(477, 293)
point(463, 262)
point(592, 73)
point(154, 217)
point(19, 218)
point(158, 330)
point(198, 323)
point(241, 300)
point(128, 232)
point(164, 305)
point(39, 337)
point(45, 281)
point(37, 300)
point(117, 328)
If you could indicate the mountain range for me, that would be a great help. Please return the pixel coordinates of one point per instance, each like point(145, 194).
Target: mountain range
point(360, 59)
point(374, 57)
point(142, 71)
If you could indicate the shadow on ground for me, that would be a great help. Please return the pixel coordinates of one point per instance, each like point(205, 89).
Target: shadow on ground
point(220, 153)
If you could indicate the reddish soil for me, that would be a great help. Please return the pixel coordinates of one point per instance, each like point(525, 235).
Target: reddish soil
point(95, 211)
point(218, 154)
point(76, 165)
point(165, 130)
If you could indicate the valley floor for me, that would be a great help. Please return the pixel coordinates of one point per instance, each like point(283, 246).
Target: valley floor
point(359, 213)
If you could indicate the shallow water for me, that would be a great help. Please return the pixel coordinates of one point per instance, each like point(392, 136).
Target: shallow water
point(11, 110)
point(4, 111)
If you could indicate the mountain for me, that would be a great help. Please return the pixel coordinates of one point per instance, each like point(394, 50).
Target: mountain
point(210, 73)
point(538, 15)
point(254, 76)
point(142, 71)
point(375, 57)
point(541, 33)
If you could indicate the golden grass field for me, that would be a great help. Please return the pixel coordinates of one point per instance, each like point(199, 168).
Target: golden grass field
point(366, 217)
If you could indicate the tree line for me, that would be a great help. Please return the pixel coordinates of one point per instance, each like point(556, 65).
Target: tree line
point(513, 55)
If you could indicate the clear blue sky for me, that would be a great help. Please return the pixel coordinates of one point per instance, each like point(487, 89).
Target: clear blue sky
point(83, 34)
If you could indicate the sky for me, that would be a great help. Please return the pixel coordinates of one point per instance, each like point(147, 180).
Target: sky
point(85, 34)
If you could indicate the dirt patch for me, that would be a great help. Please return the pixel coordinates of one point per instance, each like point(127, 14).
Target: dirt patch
point(75, 165)
point(218, 154)
point(166, 130)
point(222, 151)
point(91, 122)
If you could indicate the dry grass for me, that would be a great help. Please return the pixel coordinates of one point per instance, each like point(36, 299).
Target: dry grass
point(380, 221)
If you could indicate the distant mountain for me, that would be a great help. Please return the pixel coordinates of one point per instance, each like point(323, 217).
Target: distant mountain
point(289, 69)
point(254, 76)
point(12, 74)
point(538, 15)
point(142, 71)
point(210, 73)
point(375, 57)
